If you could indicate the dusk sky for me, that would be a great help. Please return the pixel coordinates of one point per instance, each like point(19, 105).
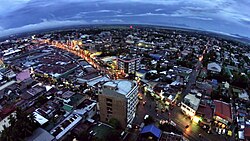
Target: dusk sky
point(223, 16)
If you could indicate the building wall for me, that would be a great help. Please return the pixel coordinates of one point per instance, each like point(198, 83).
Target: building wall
point(92, 111)
point(132, 101)
point(116, 108)
point(115, 105)
point(129, 66)
point(187, 110)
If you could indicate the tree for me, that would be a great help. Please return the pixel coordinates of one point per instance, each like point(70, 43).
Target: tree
point(115, 123)
point(169, 128)
point(113, 136)
point(21, 126)
point(240, 80)
point(83, 136)
point(149, 120)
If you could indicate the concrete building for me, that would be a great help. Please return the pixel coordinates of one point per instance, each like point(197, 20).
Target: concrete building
point(65, 126)
point(214, 67)
point(87, 109)
point(40, 135)
point(190, 104)
point(118, 99)
point(223, 112)
point(129, 64)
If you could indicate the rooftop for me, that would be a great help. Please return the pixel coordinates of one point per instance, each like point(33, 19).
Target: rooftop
point(152, 129)
point(7, 84)
point(97, 80)
point(206, 111)
point(214, 67)
point(40, 135)
point(120, 86)
point(223, 110)
point(170, 136)
point(247, 132)
point(40, 119)
point(192, 101)
point(67, 124)
point(100, 130)
point(35, 90)
point(129, 58)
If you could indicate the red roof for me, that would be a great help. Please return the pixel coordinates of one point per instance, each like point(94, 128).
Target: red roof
point(5, 112)
point(206, 110)
point(223, 110)
point(247, 132)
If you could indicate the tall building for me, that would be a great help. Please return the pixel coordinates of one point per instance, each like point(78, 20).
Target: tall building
point(118, 99)
point(129, 64)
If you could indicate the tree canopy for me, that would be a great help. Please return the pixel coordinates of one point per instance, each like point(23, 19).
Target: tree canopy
point(22, 125)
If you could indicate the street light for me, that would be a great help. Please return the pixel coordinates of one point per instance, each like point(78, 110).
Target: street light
point(196, 119)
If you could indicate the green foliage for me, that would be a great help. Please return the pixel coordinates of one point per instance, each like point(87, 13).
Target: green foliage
point(22, 126)
point(149, 120)
point(169, 128)
point(115, 123)
point(240, 80)
point(113, 136)
point(83, 136)
point(151, 76)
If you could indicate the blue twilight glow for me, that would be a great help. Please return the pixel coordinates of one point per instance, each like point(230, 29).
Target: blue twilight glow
point(223, 16)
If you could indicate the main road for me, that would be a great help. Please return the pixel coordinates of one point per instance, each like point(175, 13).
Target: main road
point(79, 52)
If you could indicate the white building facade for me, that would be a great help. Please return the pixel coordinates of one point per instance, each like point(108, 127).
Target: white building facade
point(129, 65)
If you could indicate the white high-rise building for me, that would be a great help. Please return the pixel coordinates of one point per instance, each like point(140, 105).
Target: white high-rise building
point(129, 64)
point(118, 99)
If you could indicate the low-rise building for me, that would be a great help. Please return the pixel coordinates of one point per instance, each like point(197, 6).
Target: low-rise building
point(223, 112)
point(150, 132)
point(214, 67)
point(40, 135)
point(128, 64)
point(65, 126)
point(87, 109)
point(190, 104)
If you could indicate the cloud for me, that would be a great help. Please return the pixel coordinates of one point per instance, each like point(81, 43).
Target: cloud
point(97, 21)
point(39, 26)
point(117, 20)
point(228, 12)
point(82, 14)
point(201, 18)
point(177, 14)
point(142, 14)
point(8, 6)
point(159, 9)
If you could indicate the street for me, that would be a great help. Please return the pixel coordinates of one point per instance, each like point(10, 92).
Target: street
point(194, 132)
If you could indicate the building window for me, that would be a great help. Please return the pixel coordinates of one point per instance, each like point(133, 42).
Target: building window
point(110, 112)
point(109, 104)
point(109, 109)
point(109, 100)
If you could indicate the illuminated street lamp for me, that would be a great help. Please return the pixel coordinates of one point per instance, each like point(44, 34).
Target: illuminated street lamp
point(196, 119)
